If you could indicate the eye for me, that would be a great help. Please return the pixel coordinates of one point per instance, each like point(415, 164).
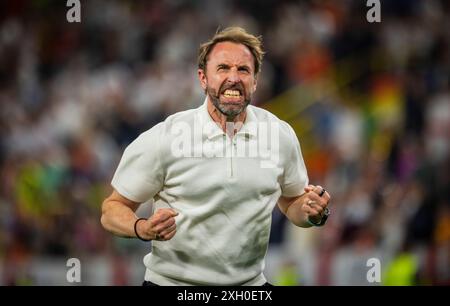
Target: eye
point(222, 67)
point(244, 69)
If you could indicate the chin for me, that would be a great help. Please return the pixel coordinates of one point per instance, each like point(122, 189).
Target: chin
point(232, 106)
point(232, 110)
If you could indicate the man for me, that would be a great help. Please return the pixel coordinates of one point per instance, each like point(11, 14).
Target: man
point(212, 211)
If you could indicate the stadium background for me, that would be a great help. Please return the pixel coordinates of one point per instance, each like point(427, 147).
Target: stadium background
point(370, 103)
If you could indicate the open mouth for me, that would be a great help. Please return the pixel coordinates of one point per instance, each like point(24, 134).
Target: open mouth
point(232, 95)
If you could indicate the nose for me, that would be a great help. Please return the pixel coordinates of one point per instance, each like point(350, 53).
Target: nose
point(233, 76)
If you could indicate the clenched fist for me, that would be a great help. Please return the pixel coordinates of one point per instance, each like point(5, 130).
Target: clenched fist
point(160, 226)
point(315, 203)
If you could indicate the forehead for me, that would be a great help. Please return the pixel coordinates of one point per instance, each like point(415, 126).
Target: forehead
point(231, 53)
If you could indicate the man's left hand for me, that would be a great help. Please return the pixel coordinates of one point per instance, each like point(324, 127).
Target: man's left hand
point(315, 202)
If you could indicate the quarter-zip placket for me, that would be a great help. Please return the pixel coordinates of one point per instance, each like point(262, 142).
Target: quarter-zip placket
point(233, 147)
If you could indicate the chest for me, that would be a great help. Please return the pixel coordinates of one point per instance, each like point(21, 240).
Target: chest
point(237, 167)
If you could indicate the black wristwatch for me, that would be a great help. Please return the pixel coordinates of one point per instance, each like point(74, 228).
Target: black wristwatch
point(326, 213)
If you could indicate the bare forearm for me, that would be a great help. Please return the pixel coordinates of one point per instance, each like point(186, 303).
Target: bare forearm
point(118, 219)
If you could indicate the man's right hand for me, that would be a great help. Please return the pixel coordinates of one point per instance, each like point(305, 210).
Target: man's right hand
point(160, 226)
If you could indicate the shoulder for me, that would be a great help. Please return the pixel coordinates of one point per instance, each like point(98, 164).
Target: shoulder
point(286, 132)
point(263, 115)
point(163, 129)
point(178, 121)
point(183, 116)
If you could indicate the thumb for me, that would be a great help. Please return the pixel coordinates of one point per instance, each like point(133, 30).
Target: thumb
point(174, 212)
point(170, 211)
point(309, 188)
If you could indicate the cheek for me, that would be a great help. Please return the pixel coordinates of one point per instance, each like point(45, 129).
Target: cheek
point(251, 86)
point(212, 81)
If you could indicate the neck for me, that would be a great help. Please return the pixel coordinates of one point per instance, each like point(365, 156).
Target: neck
point(222, 120)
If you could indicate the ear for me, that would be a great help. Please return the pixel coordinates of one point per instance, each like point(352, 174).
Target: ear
point(202, 78)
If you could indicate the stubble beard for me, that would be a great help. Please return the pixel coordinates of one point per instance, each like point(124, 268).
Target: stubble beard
point(229, 112)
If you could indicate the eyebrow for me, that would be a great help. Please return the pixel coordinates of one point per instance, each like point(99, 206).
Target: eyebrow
point(223, 66)
point(228, 66)
point(244, 66)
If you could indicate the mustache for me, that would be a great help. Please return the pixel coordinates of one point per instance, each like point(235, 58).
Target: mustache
point(236, 86)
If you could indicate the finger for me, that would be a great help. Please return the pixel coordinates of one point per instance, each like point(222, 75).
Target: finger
point(322, 193)
point(319, 209)
point(308, 209)
point(163, 225)
point(322, 200)
point(162, 215)
point(326, 196)
point(313, 212)
point(309, 188)
point(318, 189)
point(158, 218)
point(173, 211)
point(167, 212)
point(315, 197)
point(168, 230)
point(170, 235)
point(316, 205)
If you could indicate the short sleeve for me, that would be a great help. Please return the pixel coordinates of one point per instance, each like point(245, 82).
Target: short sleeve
point(139, 176)
point(295, 177)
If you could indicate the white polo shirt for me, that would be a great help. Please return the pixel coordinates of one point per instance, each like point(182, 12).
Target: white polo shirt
point(223, 188)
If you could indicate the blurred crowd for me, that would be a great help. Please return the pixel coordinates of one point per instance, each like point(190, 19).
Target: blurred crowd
point(370, 103)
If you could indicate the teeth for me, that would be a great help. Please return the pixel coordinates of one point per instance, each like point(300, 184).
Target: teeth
point(231, 93)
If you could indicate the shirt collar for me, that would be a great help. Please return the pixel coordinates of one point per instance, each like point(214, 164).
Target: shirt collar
point(248, 129)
